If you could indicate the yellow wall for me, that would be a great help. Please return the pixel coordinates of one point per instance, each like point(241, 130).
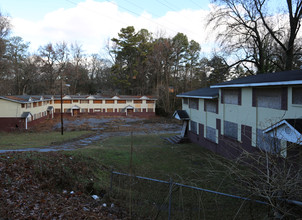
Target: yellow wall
point(244, 114)
point(10, 109)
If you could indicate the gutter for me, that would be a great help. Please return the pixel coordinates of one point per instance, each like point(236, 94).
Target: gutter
point(295, 82)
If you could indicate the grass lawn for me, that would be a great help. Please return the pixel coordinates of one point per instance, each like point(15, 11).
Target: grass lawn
point(189, 164)
point(37, 139)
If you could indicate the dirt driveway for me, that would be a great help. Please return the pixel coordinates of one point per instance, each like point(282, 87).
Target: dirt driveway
point(104, 127)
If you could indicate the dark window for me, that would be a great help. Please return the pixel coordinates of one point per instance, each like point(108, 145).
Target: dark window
point(211, 134)
point(231, 129)
point(193, 127)
point(297, 95)
point(231, 96)
point(211, 105)
point(193, 104)
point(268, 98)
point(186, 101)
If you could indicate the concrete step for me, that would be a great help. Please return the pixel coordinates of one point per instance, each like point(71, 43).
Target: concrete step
point(177, 139)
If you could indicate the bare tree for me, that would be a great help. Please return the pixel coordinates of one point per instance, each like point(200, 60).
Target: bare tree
point(254, 35)
point(287, 39)
point(273, 175)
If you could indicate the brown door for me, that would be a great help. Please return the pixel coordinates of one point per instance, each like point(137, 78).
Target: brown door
point(129, 111)
point(76, 112)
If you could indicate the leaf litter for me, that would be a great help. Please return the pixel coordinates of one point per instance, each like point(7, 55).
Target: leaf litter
point(39, 185)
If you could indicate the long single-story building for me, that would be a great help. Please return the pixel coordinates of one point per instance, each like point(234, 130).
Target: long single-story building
point(22, 111)
point(247, 114)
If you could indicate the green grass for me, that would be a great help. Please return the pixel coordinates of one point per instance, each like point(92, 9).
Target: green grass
point(189, 164)
point(37, 139)
point(153, 157)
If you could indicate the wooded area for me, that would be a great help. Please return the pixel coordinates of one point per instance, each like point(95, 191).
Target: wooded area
point(253, 37)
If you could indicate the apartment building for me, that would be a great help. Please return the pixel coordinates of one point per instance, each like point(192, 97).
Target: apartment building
point(21, 112)
point(256, 112)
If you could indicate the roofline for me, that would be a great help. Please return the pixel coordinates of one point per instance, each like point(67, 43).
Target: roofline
point(198, 97)
point(281, 123)
point(13, 100)
point(280, 83)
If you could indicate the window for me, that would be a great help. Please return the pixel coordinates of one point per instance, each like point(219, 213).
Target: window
point(121, 101)
point(186, 101)
point(75, 101)
point(67, 101)
point(109, 101)
point(28, 105)
point(193, 103)
point(268, 98)
point(35, 104)
point(109, 109)
point(150, 101)
point(22, 105)
point(84, 110)
point(297, 95)
point(137, 110)
point(231, 129)
point(57, 101)
point(231, 96)
point(211, 134)
point(138, 101)
point(97, 101)
point(211, 105)
point(84, 101)
point(40, 103)
point(193, 127)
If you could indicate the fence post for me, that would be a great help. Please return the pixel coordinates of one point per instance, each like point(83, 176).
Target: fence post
point(170, 198)
point(111, 180)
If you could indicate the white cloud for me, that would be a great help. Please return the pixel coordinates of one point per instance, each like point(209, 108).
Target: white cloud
point(91, 23)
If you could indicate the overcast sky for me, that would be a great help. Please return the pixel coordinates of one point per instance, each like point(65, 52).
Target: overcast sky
point(92, 22)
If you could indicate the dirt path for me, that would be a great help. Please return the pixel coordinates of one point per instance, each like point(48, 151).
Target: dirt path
point(105, 127)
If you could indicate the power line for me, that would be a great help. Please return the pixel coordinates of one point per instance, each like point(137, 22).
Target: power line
point(132, 12)
point(199, 6)
point(144, 17)
point(159, 16)
point(96, 12)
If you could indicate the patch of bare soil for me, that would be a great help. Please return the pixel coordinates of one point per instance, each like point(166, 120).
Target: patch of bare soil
point(109, 124)
point(51, 186)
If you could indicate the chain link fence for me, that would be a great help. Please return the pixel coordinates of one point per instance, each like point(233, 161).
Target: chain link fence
point(149, 198)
